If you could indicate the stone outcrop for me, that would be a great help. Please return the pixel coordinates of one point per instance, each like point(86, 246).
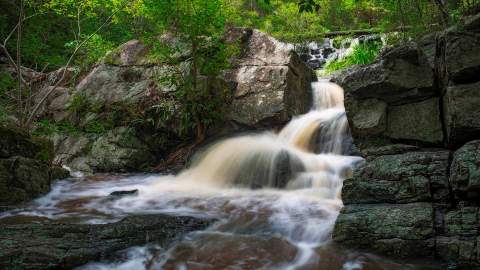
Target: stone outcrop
point(25, 169)
point(411, 200)
point(54, 245)
point(272, 84)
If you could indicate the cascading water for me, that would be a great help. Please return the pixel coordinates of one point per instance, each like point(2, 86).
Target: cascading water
point(276, 197)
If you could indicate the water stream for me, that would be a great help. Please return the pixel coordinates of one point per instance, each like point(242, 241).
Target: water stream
point(276, 197)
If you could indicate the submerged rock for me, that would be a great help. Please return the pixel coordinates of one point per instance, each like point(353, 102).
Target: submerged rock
point(55, 245)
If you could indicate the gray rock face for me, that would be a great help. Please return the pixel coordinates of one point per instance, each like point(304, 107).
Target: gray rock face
point(396, 101)
point(465, 171)
point(462, 112)
point(418, 121)
point(66, 246)
point(272, 83)
point(400, 178)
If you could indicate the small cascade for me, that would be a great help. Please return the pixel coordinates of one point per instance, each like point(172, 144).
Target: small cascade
point(274, 160)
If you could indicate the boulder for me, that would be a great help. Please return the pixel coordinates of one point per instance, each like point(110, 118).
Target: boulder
point(400, 230)
point(22, 179)
point(271, 82)
point(25, 167)
point(119, 150)
point(53, 245)
point(419, 176)
point(465, 171)
point(418, 121)
point(401, 75)
point(461, 106)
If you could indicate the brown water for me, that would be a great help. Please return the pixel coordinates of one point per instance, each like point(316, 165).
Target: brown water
point(276, 198)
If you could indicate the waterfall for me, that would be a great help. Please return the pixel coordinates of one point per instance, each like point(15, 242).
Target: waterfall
point(276, 197)
point(306, 153)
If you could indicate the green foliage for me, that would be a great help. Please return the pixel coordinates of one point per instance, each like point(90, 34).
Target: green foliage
point(46, 127)
point(364, 53)
point(95, 126)
point(79, 104)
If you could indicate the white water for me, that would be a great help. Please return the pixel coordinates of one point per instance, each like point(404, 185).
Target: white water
point(282, 223)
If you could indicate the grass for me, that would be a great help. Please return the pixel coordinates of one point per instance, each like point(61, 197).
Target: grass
point(362, 54)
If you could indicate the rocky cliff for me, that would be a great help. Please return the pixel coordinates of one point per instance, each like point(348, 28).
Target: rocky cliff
point(266, 85)
point(415, 117)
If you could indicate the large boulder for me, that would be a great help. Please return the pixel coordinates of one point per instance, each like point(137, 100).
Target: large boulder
point(120, 150)
point(465, 171)
point(54, 245)
point(272, 84)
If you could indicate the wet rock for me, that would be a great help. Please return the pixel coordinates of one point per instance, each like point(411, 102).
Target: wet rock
point(272, 82)
point(402, 230)
point(416, 121)
point(461, 105)
point(269, 170)
point(45, 245)
point(401, 75)
point(121, 193)
point(465, 171)
point(400, 178)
